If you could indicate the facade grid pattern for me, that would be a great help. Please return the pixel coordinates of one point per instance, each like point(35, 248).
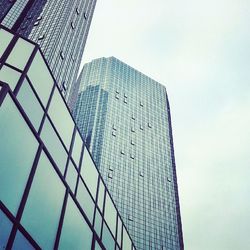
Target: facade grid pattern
point(133, 149)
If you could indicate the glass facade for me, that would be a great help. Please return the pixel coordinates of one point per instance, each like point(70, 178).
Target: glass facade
point(125, 118)
point(59, 27)
point(51, 193)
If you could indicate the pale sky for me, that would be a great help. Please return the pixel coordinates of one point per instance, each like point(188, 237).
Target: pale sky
point(200, 50)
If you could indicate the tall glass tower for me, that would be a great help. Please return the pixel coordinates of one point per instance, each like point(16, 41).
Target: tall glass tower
point(59, 27)
point(124, 117)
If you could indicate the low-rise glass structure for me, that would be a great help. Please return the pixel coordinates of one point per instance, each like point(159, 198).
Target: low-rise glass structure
point(51, 193)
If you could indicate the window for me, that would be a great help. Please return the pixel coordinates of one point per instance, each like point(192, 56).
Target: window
point(141, 127)
point(20, 54)
point(36, 23)
point(130, 218)
point(73, 25)
point(41, 37)
point(107, 238)
point(39, 18)
point(16, 160)
point(40, 78)
point(62, 55)
point(71, 176)
point(122, 152)
point(58, 113)
point(30, 104)
point(126, 243)
point(110, 176)
point(132, 142)
point(54, 145)
point(141, 104)
point(76, 233)
point(89, 173)
point(43, 207)
point(77, 148)
point(98, 222)
point(21, 242)
point(5, 38)
point(141, 174)
point(149, 125)
point(125, 100)
point(132, 129)
point(85, 15)
point(101, 195)
point(114, 133)
point(77, 11)
point(117, 96)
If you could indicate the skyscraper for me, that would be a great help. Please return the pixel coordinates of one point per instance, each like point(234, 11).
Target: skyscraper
point(125, 119)
point(59, 27)
point(51, 193)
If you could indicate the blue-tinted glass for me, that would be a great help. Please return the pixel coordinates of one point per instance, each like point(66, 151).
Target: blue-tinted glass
point(89, 172)
point(17, 152)
point(98, 223)
point(110, 213)
point(76, 233)
point(85, 200)
point(5, 228)
point(20, 54)
point(21, 242)
point(71, 176)
point(77, 148)
point(61, 118)
point(41, 78)
point(43, 207)
point(10, 76)
point(30, 104)
point(54, 145)
point(107, 238)
point(126, 242)
point(5, 38)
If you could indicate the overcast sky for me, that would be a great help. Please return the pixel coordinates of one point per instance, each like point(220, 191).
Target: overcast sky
point(200, 50)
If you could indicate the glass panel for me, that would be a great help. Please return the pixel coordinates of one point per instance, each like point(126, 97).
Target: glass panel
point(20, 54)
point(54, 145)
point(85, 201)
point(5, 228)
point(101, 195)
point(119, 231)
point(98, 223)
point(30, 104)
point(71, 176)
point(41, 78)
point(43, 207)
point(89, 172)
point(110, 213)
point(21, 243)
point(107, 238)
point(9, 76)
point(76, 233)
point(17, 153)
point(77, 149)
point(61, 118)
point(5, 38)
point(126, 242)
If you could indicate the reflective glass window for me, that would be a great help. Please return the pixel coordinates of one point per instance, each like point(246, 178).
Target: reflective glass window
point(20, 54)
point(107, 238)
point(5, 38)
point(85, 200)
point(41, 78)
point(44, 204)
point(21, 242)
point(61, 118)
point(5, 228)
point(76, 233)
point(18, 147)
point(98, 223)
point(10, 76)
point(54, 145)
point(119, 231)
point(89, 172)
point(71, 176)
point(110, 213)
point(77, 148)
point(30, 104)
point(101, 195)
point(126, 242)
